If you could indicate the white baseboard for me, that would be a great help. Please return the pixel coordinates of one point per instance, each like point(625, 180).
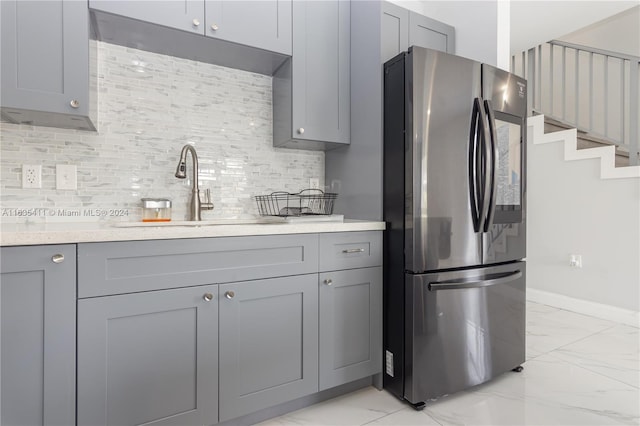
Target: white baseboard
point(598, 310)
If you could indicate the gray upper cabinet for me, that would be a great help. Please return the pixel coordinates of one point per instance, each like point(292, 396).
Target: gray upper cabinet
point(248, 35)
point(263, 24)
point(186, 15)
point(429, 33)
point(149, 358)
point(379, 31)
point(38, 335)
point(311, 92)
point(402, 28)
point(350, 325)
point(395, 30)
point(46, 64)
point(268, 343)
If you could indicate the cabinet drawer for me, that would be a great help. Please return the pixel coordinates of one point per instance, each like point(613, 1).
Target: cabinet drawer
point(348, 250)
point(133, 266)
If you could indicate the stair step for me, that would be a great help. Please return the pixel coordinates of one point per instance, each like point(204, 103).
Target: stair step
point(585, 141)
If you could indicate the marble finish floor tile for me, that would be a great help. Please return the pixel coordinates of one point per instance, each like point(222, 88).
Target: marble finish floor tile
point(547, 331)
point(406, 417)
point(357, 408)
point(580, 370)
point(549, 391)
point(613, 352)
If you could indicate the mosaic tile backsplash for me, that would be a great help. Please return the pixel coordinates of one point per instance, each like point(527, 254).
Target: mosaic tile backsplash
point(149, 106)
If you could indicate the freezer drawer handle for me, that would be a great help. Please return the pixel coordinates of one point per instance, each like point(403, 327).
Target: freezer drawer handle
point(478, 282)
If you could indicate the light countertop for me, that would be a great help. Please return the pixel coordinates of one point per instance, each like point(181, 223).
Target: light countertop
point(15, 234)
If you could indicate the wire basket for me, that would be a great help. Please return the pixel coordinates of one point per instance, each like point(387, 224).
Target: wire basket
point(305, 202)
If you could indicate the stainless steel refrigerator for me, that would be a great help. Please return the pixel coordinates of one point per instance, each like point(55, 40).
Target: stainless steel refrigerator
point(455, 207)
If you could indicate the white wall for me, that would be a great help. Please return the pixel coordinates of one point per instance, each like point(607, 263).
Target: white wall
point(572, 211)
point(537, 21)
point(476, 24)
point(619, 33)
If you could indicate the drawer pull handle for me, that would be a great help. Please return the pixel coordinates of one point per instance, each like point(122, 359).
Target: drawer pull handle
point(358, 250)
point(328, 281)
point(57, 258)
point(229, 294)
point(208, 297)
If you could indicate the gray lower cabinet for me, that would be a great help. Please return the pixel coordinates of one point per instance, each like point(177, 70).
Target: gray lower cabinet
point(149, 358)
point(38, 336)
point(268, 343)
point(311, 94)
point(45, 64)
point(350, 325)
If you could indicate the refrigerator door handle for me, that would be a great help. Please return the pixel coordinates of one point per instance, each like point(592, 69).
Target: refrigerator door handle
point(476, 282)
point(484, 167)
point(494, 166)
point(475, 142)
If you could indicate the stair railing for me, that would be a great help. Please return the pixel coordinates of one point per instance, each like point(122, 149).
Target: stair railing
point(593, 90)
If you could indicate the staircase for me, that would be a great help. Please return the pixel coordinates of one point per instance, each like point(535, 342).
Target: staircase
point(604, 154)
point(591, 90)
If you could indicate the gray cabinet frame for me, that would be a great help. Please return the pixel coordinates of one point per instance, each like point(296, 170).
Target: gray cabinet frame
point(356, 172)
point(38, 335)
point(178, 14)
point(104, 368)
point(246, 383)
point(350, 325)
point(265, 24)
point(311, 91)
point(46, 63)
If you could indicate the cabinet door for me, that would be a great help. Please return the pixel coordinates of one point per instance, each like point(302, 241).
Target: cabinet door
point(429, 33)
point(149, 358)
point(321, 52)
point(186, 15)
point(38, 337)
point(265, 24)
point(395, 30)
point(350, 325)
point(45, 61)
point(268, 343)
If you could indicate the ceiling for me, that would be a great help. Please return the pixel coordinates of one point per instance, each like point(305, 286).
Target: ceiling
point(537, 21)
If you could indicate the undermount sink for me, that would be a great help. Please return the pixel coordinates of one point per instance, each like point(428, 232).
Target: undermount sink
point(195, 223)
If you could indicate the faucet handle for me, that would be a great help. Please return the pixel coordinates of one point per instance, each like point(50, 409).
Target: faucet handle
point(207, 204)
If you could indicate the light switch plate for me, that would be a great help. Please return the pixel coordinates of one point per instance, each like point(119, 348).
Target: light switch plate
point(66, 176)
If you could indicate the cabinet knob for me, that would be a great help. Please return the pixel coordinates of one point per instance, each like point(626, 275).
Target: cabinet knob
point(214, 27)
point(301, 130)
point(196, 22)
point(208, 297)
point(57, 258)
point(328, 281)
point(74, 103)
point(229, 294)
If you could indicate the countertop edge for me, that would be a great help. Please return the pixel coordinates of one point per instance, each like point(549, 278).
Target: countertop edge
point(39, 235)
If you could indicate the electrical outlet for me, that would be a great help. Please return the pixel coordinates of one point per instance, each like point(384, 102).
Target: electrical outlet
point(31, 176)
point(314, 183)
point(575, 261)
point(66, 176)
